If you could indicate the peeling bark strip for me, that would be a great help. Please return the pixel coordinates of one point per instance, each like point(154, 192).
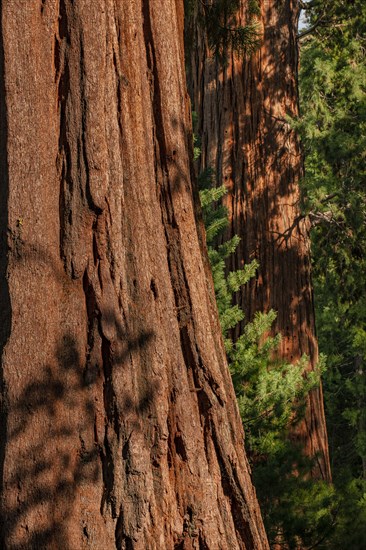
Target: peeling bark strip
point(119, 424)
point(242, 110)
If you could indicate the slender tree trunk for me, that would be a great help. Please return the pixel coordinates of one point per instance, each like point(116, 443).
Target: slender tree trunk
point(119, 422)
point(242, 109)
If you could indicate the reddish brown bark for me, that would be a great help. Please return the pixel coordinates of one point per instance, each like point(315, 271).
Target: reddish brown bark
point(242, 109)
point(119, 422)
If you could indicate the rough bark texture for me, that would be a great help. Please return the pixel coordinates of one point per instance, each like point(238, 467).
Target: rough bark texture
point(119, 424)
point(242, 109)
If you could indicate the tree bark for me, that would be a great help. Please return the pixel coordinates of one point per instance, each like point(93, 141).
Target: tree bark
point(242, 109)
point(119, 422)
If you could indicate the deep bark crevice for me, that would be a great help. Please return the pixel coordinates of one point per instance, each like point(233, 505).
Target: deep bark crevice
point(107, 461)
point(110, 399)
point(64, 159)
point(122, 540)
point(92, 367)
point(154, 84)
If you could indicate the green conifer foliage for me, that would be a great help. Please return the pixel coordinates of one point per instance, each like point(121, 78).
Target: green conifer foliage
point(333, 130)
point(271, 397)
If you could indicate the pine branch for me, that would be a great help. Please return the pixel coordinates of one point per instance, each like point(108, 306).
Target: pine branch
point(316, 218)
point(319, 22)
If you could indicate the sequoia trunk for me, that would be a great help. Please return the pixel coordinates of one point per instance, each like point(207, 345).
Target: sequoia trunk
point(242, 109)
point(119, 422)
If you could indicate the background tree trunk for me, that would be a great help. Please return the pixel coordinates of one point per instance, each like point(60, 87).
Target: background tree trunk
point(119, 422)
point(242, 109)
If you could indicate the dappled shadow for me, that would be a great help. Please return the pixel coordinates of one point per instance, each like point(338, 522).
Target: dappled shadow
point(56, 428)
point(52, 467)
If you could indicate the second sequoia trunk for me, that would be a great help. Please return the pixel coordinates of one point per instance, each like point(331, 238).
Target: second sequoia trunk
point(242, 108)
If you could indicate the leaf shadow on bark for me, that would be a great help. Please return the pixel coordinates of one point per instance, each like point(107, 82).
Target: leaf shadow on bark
point(53, 425)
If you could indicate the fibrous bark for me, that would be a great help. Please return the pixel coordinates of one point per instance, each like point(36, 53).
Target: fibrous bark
point(119, 423)
point(242, 107)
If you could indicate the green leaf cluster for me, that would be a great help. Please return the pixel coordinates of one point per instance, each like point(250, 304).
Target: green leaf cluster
point(333, 131)
point(271, 396)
